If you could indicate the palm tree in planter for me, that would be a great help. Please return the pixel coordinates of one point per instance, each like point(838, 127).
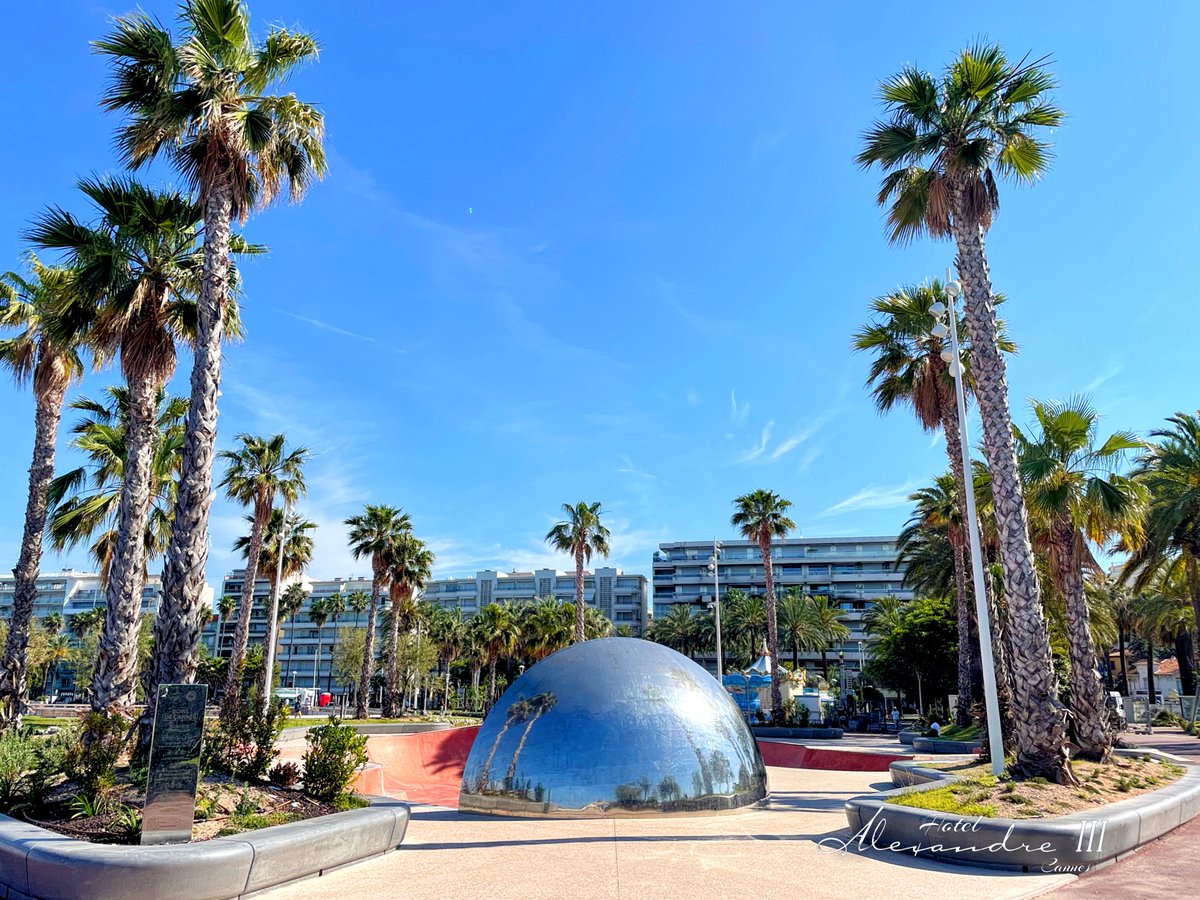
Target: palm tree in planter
point(940, 147)
point(373, 533)
point(581, 534)
point(203, 100)
point(49, 317)
point(410, 565)
point(85, 501)
point(907, 369)
point(1070, 481)
point(257, 471)
point(291, 601)
point(761, 516)
point(297, 556)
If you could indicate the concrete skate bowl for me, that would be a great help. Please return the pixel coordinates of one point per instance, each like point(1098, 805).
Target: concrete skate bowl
point(422, 768)
point(427, 768)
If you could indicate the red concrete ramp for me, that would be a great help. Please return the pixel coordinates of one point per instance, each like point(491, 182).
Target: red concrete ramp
point(424, 768)
point(428, 767)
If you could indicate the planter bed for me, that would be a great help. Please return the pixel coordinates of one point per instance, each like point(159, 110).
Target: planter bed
point(1072, 843)
point(42, 864)
point(907, 737)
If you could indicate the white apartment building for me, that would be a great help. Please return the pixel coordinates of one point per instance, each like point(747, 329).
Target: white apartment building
point(623, 598)
point(854, 571)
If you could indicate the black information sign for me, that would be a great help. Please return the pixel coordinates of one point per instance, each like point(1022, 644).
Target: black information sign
point(174, 764)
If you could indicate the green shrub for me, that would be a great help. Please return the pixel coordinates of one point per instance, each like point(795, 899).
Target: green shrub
point(335, 753)
point(18, 759)
point(943, 800)
point(244, 746)
point(92, 761)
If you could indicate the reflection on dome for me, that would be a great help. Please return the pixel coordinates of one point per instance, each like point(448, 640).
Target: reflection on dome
point(618, 726)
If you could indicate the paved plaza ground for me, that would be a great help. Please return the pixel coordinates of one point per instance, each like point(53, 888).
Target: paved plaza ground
point(448, 854)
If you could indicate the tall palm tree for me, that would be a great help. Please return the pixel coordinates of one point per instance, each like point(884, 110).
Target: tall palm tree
point(142, 256)
point(761, 516)
point(85, 501)
point(829, 623)
point(335, 605)
point(226, 607)
point(202, 99)
point(297, 556)
point(318, 615)
point(1169, 545)
point(373, 532)
point(745, 622)
point(938, 147)
point(410, 565)
point(581, 534)
point(907, 369)
point(358, 602)
point(256, 472)
point(1070, 481)
point(449, 631)
point(677, 629)
point(291, 601)
point(48, 315)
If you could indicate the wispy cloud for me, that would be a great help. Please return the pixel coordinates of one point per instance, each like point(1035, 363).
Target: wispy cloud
point(738, 412)
point(1108, 373)
point(766, 143)
point(692, 398)
point(627, 467)
point(873, 497)
point(800, 437)
point(755, 452)
point(326, 326)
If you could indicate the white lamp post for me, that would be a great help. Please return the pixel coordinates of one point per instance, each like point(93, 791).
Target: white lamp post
point(716, 606)
point(953, 356)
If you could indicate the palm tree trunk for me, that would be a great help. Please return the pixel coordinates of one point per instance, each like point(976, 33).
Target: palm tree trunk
point(1150, 674)
point(368, 664)
point(772, 633)
point(177, 626)
point(1124, 667)
point(1183, 653)
point(1039, 717)
point(579, 594)
point(491, 681)
point(1087, 690)
point(329, 676)
point(114, 681)
point(511, 774)
point(393, 669)
point(241, 635)
point(47, 413)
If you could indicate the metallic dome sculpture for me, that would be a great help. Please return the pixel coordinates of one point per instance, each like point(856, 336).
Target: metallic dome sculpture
point(613, 727)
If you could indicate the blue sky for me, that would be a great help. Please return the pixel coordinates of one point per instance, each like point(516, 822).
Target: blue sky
point(617, 253)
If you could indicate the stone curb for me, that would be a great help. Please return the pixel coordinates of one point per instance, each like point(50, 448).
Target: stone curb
point(44, 865)
point(1073, 843)
point(816, 734)
point(298, 731)
point(936, 745)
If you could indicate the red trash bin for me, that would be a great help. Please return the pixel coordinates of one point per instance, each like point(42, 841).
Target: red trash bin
point(324, 699)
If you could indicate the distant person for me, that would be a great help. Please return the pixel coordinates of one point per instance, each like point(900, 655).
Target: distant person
point(935, 730)
point(896, 717)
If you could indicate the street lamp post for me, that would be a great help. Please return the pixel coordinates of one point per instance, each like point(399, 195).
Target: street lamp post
point(862, 677)
point(954, 358)
point(712, 567)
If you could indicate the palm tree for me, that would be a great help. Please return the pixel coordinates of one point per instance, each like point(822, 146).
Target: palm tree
point(318, 614)
point(291, 602)
point(449, 631)
point(581, 534)
point(938, 148)
point(202, 100)
point(255, 473)
point(335, 605)
point(1070, 481)
point(373, 533)
point(142, 257)
point(797, 624)
point(49, 316)
point(885, 616)
point(297, 556)
point(357, 602)
point(745, 621)
point(226, 607)
point(908, 370)
point(539, 705)
point(409, 566)
point(761, 516)
point(677, 629)
point(547, 625)
point(88, 620)
point(85, 501)
point(1169, 545)
point(829, 625)
point(499, 633)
